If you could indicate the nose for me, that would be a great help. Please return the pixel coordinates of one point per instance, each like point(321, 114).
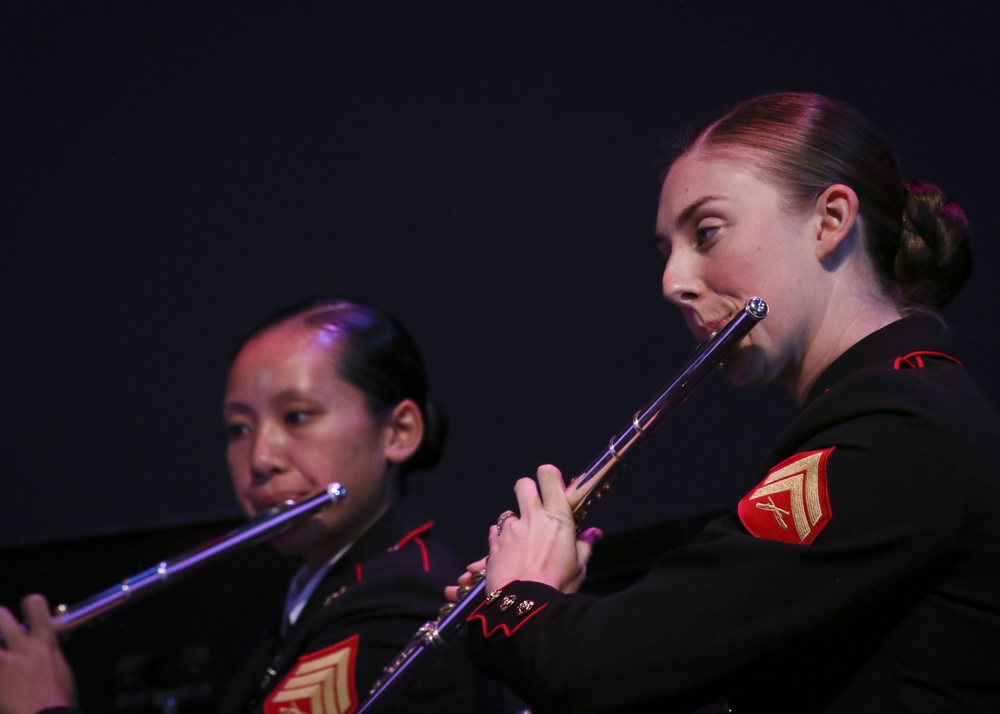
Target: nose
point(268, 456)
point(680, 282)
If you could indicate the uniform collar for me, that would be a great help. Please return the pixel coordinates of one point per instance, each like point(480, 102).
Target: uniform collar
point(302, 587)
point(920, 332)
point(398, 522)
point(401, 521)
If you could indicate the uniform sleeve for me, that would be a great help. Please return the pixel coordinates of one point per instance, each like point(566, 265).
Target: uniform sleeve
point(730, 603)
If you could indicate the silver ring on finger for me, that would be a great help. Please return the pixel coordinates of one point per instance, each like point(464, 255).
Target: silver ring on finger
point(503, 517)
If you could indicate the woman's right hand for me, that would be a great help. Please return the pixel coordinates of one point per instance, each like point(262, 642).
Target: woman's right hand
point(541, 544)
point(33, 671)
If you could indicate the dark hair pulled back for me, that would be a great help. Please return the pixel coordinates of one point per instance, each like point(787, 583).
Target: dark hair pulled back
point(918, 240)
point(375, 353)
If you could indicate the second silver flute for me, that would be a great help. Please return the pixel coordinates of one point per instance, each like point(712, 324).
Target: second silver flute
point(168, 571)
point(581, 491)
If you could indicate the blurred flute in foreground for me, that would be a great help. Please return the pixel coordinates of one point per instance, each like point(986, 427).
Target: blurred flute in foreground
point(432, 637)
point(168, 571)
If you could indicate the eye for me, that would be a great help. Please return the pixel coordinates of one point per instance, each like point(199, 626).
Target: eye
point(704, 234)
point(234, 430)
point(297, 416)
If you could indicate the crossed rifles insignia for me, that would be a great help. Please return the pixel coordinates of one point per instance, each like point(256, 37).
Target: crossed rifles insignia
point(791, 504)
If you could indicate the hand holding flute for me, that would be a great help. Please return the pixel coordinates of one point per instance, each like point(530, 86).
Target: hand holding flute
point(34, 674)
point(553, 512)
point(541, 544)
point(324, 398)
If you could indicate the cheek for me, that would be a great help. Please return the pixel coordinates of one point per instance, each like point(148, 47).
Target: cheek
point(345, 459)
point(361, 469)
point(763, 273)
point(355, 444)
point(241, 490)
point(356, 467)
point(239, 465)
point(737, 265)
point(239, 475)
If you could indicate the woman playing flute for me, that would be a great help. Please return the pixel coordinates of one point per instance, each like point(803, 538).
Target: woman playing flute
point(332, 390)
point(861, 570)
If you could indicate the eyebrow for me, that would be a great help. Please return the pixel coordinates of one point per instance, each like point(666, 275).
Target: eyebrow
point(686, 214)
point(235, 408)
point(282, 396)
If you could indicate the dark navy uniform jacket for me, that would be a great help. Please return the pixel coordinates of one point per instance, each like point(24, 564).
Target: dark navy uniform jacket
point(861, 574)
point(362, 614)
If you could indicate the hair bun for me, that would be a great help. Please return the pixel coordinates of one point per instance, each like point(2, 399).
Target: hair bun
point(934, 258)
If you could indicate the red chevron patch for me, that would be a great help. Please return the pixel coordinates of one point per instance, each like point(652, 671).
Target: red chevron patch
point(791, 504)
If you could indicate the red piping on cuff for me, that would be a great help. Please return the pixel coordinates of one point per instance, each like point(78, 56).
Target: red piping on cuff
point(503, 625)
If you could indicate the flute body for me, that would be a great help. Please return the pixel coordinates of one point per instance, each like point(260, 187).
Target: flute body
point(168, 571)
point(432, 637)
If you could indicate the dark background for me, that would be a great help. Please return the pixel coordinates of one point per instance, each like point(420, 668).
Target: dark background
point(172, 172)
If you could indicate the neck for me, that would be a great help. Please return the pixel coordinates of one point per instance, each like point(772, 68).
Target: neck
point(345, 535)
point(854, 319)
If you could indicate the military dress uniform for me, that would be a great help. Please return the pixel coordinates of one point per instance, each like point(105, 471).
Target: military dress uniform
point(861, 574)
point(362, 614)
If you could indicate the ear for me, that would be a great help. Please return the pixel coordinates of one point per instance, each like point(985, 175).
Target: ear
point(836, 214)
point(404, 431)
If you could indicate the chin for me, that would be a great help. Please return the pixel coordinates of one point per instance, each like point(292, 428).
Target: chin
point(746, 368)
point(286, 544)
point(298, 539)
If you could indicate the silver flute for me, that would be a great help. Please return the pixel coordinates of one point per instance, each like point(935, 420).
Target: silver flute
point(590, 485)
point(167, 572)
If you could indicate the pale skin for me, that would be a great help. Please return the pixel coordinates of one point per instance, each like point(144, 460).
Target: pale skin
point(33, 672)
point(727, 233)
point(294, 425)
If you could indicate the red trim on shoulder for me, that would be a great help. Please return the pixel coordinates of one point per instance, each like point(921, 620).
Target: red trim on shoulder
point(791, 504)
point(915, 360)
point(423, 553)
point(508, 632)
point(414, 533)
point(414, 537)
point(357, 572)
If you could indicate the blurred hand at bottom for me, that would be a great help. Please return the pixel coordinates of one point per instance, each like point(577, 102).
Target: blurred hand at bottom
point(33, 671)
